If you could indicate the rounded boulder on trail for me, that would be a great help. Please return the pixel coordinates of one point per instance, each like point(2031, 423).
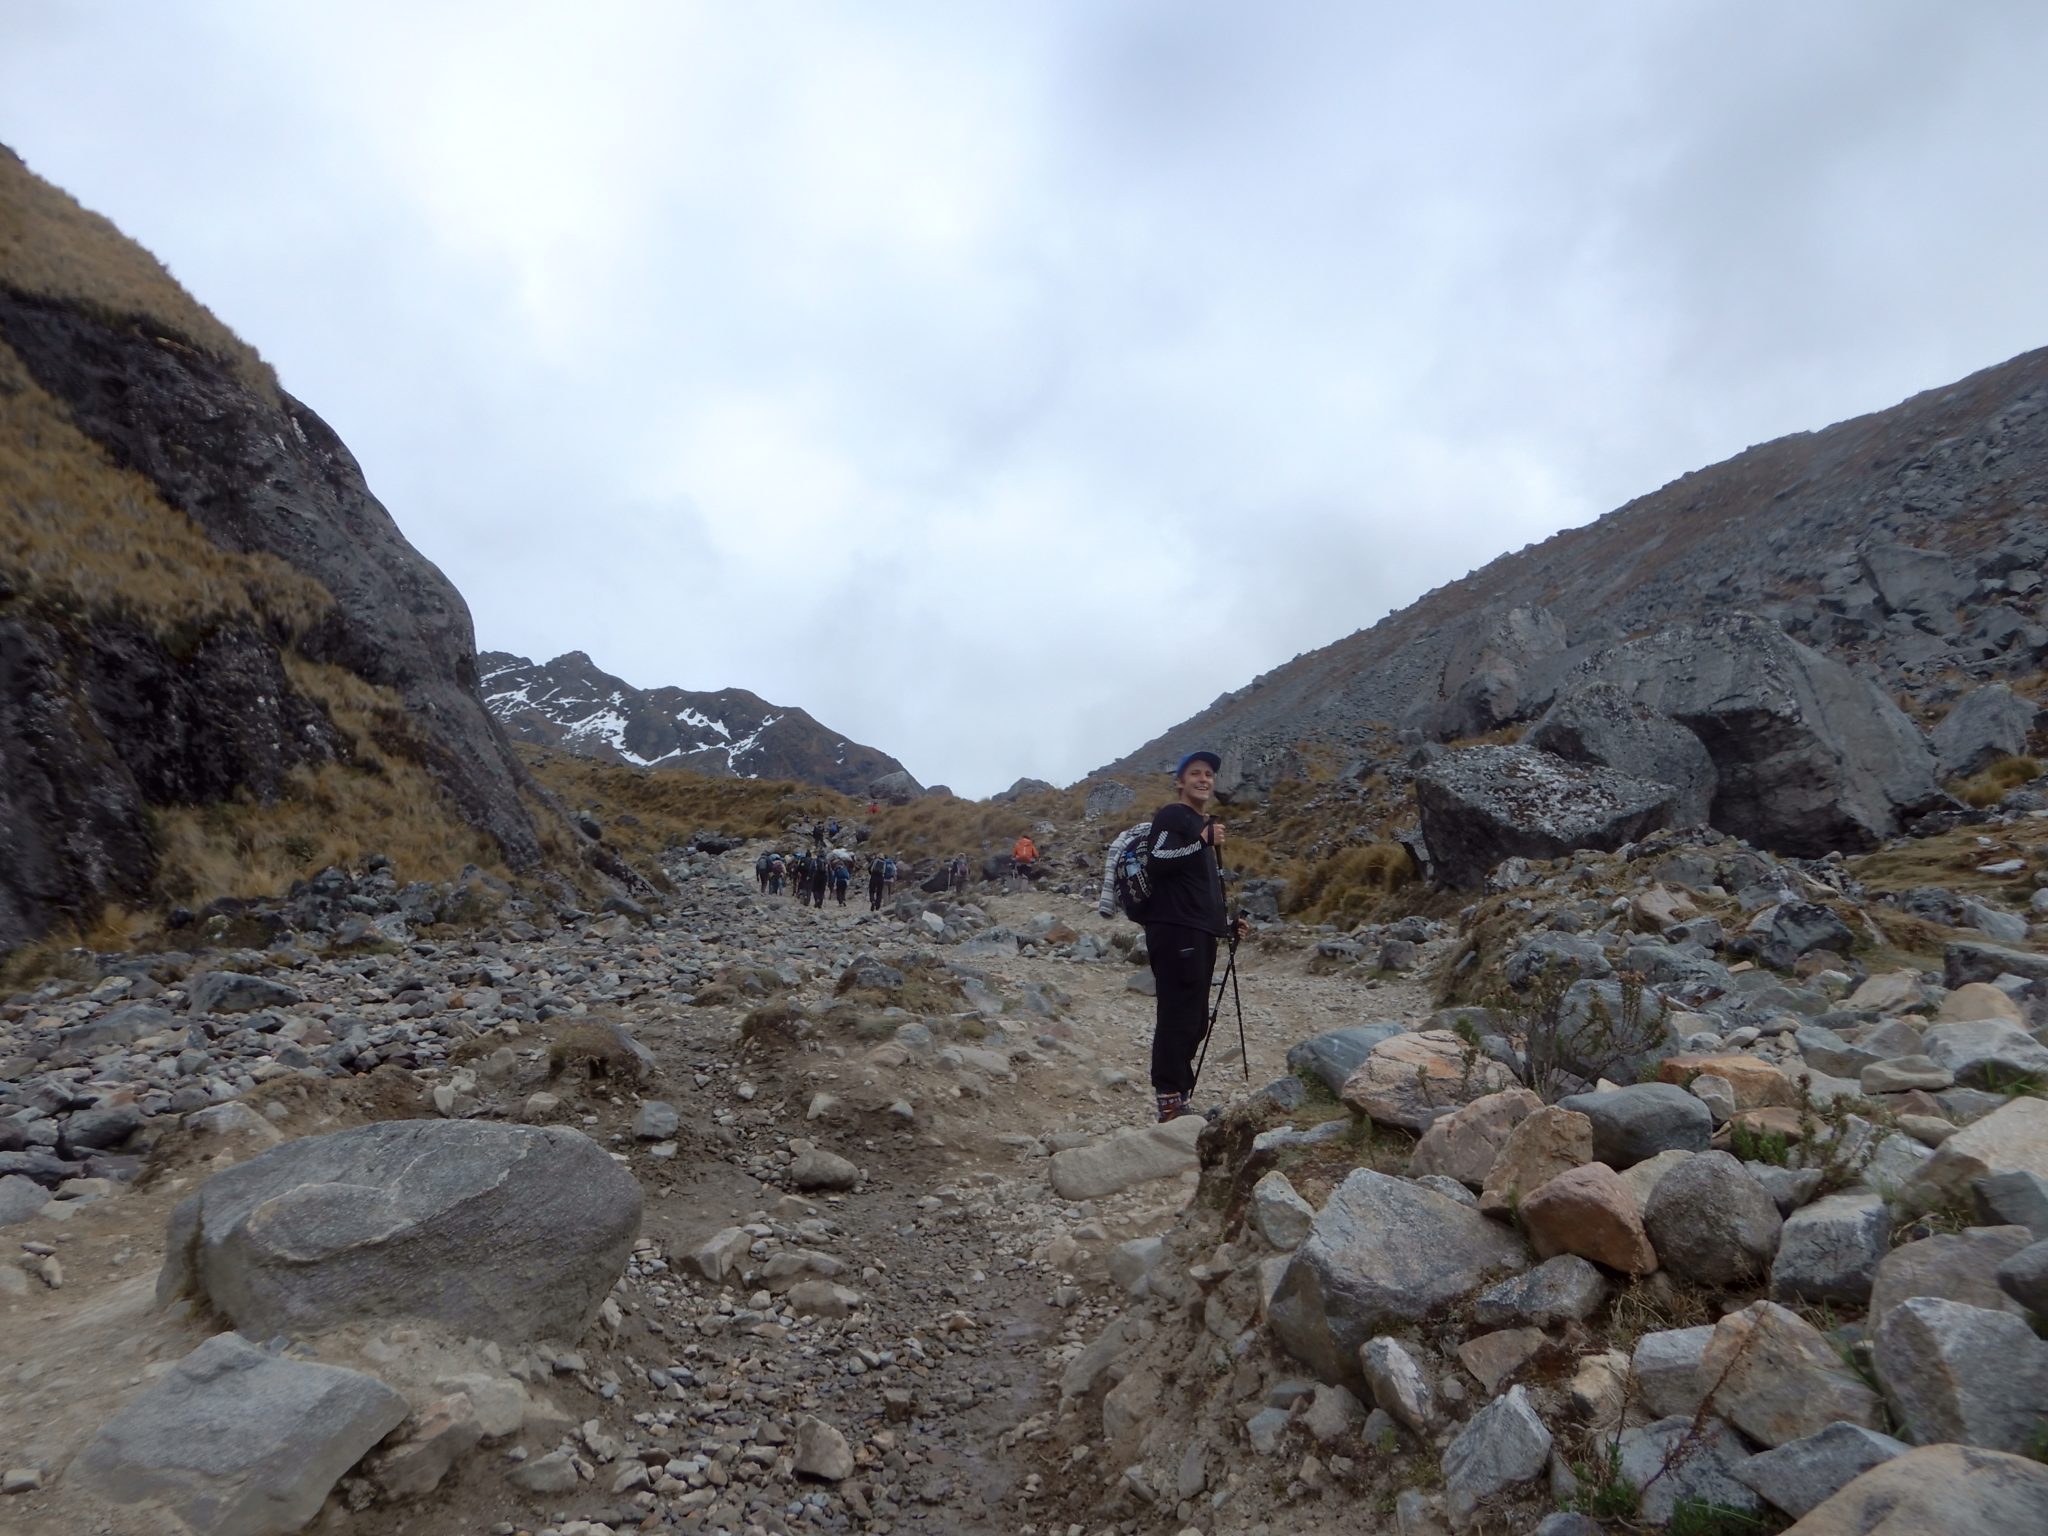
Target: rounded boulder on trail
point(505, 1232)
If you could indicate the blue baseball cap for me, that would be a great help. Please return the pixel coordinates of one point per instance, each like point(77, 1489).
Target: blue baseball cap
point(1210, 758)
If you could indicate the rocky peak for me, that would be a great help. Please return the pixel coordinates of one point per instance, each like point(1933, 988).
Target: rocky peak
point(572, 703)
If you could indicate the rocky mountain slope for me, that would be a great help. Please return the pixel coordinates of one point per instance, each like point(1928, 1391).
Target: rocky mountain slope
point(570, 703)
point(221, 663)
point(1907, 545)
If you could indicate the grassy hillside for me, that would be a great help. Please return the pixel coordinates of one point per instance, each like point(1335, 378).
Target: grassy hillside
point(85, 542)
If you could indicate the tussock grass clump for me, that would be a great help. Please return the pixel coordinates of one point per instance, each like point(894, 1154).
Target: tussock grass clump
point(1994, 783)
point(780, 1023)
point(1350, 886)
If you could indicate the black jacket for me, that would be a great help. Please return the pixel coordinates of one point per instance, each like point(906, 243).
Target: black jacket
point(1187, 885)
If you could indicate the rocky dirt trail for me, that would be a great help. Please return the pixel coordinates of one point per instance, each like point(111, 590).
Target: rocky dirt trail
point(855, 1287)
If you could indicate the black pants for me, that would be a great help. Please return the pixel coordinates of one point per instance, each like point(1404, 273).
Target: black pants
point(1183, 961)
point(875, 893)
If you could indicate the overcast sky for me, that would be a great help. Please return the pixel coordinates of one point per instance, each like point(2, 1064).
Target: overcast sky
point(1001, 383)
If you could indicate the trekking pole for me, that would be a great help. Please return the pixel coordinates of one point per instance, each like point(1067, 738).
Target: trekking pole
point(1229, 980)
point(1244, 1051)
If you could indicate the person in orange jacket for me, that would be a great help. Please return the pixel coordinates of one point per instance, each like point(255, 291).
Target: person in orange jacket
point(1024, 855)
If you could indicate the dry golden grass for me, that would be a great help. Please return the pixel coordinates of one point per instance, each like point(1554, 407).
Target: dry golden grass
point(645, 812)
point(333, 813)
point(1351, 886)
point(79, 533)
point(52, 248)
point(1993, 784)
point(1955, 860)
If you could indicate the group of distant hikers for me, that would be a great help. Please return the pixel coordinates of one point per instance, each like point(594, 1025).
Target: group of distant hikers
point(825, 871)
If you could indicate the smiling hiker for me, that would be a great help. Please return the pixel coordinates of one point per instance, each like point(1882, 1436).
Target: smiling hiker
point(1184, 917)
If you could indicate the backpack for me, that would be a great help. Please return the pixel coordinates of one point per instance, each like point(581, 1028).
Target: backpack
point(1127, 874)
point(888, 869)
point(761, 865)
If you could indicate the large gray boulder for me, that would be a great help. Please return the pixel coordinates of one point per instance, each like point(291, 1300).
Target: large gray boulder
point(1383, 1253)
point(1107, 798)
point(1955, 1490)
point(1332, 1058)
point(1987, 724)
point(1830, 1250)
point(1600, 725)
point(1711, 1223)
point(1924, 582)
point(1956, 1372)
point(897, 788)
point(1987, 1053)
point(1480, 805)
point(1672, 1461)
point(236, 1441)
point(1489, 676)
point(233, 992)
point(2012, 1139)
point(1956, 1266)
point(1966, 961)
point(2024, 1277)
point(1637, 1122)
point(1128, 1158)
point(1504, 1444)
point(501, 1231)
point(1801, 1474)
point(1808, 756)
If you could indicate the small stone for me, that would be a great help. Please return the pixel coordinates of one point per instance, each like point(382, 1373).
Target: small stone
point(552, 1473)
point(1504, 1444)
point(1493, 1357)
point(1281, 1216)
point(1331, 1413)
point(1666, 1366)
point(819, 1169)
point(1265, 1429)
point(1399, 1385)
point(657, 1121)
point(822, 1451)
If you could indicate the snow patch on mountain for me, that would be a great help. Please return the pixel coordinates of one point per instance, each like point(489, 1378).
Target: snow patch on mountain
point(571, 704)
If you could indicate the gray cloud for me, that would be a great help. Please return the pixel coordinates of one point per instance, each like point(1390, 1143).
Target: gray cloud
point(1002, 384)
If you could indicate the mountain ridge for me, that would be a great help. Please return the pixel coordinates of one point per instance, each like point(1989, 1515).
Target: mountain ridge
point(1786, 529)
point(572, 703)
